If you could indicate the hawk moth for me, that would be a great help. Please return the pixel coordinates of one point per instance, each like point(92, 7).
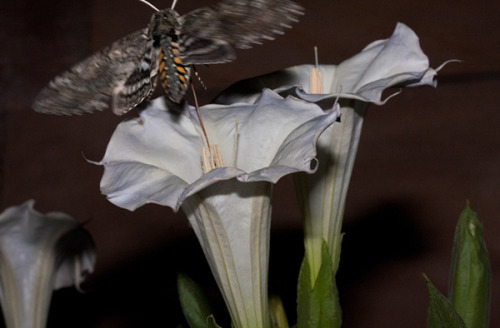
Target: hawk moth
point(126, 72)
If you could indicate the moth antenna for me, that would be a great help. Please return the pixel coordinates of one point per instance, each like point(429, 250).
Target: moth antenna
point(173, 4)
point(199, 78)
point(149, 4)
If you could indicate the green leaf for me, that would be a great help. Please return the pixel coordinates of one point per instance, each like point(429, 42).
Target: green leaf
point(441, 313)
point(194, 303)
point(318, 306)
point(470, 276)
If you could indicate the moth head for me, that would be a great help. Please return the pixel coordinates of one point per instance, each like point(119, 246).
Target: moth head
point(163, 22)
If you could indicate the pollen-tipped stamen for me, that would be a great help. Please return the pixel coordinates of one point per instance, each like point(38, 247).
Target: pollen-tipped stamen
point(315, 79)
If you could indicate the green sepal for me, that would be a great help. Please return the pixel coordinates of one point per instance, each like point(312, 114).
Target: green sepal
point(303, 293)
point(441, 313)
point(211, 322)
point(277, 311)
point(318, 304)
point(470, 274)
point(194, 303)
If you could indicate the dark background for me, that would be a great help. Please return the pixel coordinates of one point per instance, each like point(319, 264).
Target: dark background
point(421, 156)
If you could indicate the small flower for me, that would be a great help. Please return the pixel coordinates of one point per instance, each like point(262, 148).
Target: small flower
point(357, 82)
point(158, 158)
point(38, 254)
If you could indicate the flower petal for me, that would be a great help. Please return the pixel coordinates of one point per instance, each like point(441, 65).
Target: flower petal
point(132, 184)
point(397, 61)
point(157, 158)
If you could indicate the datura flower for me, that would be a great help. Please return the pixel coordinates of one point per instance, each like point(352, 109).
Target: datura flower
point(356, 82)
point(225, 188)
point(38, 254)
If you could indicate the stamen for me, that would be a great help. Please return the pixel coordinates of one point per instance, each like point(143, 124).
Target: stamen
point(149, 4)
point(316, 57)
point(216, 157)
point(211, 159)
point(315, 80)
point(205, 161)
point(235, 147)
point(76, 273)
point(336, 103)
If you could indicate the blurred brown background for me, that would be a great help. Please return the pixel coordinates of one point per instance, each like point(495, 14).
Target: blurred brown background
point(421, 156)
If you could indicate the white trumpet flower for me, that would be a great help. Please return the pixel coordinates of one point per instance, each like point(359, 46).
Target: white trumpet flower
point(356, 82)
point(225, 188)
point(39, 253)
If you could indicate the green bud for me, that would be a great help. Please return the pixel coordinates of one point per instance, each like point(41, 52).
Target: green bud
point(470, 276)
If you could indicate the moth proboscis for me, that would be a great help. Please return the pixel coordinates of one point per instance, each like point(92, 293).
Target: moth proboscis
point(125, 73)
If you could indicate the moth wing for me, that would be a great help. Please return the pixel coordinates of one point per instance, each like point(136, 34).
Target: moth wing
point(242, 23)
point(89, 85)
point(139, 85)
point(196, 50)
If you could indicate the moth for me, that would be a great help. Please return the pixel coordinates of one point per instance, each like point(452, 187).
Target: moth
point(126, 72)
